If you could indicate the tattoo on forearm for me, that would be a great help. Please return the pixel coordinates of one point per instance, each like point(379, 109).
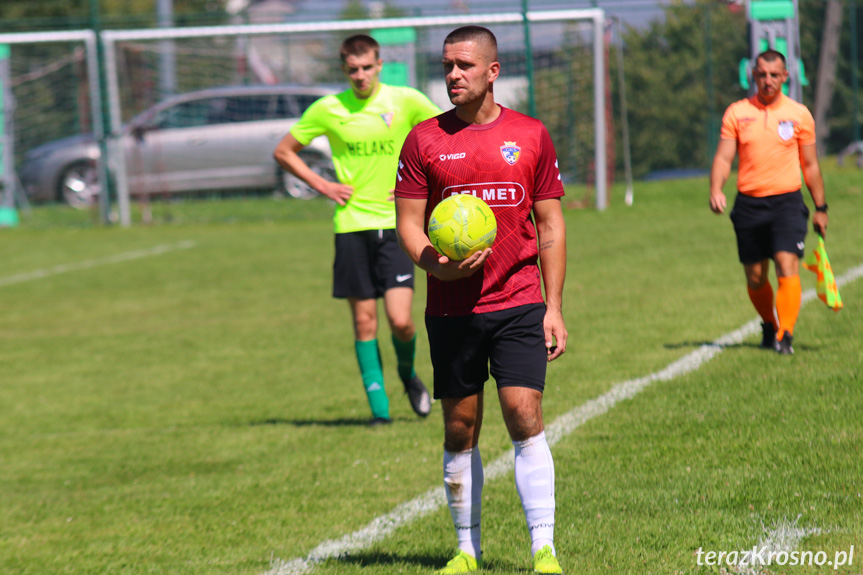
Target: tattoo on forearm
point(546, 245)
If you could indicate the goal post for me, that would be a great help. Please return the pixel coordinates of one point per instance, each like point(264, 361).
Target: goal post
point(567, 56)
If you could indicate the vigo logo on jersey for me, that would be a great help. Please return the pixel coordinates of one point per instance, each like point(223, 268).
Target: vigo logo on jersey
point(459, 156)
point(495, 194)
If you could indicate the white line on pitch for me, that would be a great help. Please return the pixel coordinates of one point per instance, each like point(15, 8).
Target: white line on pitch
point(89, 264)
point(783, 538)
point(434, 498)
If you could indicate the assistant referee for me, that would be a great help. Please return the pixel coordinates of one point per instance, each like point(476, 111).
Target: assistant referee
point(774, 137)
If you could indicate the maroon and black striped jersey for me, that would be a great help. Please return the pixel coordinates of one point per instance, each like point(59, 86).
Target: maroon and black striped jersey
point(510, 163)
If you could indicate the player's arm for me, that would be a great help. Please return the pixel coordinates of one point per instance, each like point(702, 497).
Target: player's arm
point(287, 154)
point(551, 237)
point(812, 176)
point(410, 228)
point(719, 173)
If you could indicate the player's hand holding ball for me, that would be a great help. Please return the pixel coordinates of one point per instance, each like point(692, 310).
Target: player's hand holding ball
point(462, 225)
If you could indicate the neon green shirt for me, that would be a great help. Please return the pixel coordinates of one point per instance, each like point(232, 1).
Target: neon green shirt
point(366, 137)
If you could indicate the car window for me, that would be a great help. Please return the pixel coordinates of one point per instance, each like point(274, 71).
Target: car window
point(233, 109)
point(191, 114)
point(251, 108)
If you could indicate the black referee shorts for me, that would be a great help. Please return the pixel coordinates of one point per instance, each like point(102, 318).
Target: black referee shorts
point(768, 225)
point(511, 340)
point(368, 263)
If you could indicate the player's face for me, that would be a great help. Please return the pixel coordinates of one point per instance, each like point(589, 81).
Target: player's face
point(363, 72)
point(769, 78)
point(468, 71)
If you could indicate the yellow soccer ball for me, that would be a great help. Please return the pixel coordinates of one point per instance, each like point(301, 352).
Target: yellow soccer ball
point(462, 225)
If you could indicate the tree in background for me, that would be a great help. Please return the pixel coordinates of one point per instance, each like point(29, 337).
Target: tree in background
point(673, 67)
point(682, 72)
point(841, 113)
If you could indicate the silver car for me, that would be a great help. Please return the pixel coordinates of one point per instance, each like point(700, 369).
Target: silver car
point(210, 140)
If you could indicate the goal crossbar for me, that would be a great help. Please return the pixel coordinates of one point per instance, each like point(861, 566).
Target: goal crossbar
point(111, 36)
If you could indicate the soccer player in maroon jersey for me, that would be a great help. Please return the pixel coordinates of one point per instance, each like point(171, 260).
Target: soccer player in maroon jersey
point(489, 309)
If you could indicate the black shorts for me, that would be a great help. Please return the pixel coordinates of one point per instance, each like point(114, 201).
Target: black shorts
point(368, 263)
point(512, 340)
point(768, 225)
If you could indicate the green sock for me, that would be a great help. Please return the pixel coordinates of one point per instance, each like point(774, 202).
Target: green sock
point(405, 352)
point(369, 358)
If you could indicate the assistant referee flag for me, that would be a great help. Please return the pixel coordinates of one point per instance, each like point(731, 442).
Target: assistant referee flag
point(826, 288)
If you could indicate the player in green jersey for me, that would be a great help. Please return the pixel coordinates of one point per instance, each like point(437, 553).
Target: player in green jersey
point(366, 126)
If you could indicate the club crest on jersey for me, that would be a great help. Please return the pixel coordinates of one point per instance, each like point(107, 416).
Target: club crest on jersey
point(510, 152)
point(786, 130)
point(387, 117)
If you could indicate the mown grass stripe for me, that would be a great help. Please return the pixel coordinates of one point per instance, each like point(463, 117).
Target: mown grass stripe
point(90, 264)
point(410, 511)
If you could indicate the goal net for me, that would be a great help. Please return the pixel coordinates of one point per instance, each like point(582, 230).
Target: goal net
point(50, 91)
point(551, 66)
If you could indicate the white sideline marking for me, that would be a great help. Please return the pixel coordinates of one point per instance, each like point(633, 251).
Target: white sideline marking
point(89, 264)
point(431, 500)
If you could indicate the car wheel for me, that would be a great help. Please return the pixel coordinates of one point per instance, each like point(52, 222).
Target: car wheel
point(294, 187)
point(79, 185)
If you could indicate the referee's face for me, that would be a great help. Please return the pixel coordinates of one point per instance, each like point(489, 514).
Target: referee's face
point(363, 72)
point(769, 78)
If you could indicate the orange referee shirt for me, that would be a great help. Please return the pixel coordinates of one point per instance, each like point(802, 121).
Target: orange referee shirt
point(768, 143)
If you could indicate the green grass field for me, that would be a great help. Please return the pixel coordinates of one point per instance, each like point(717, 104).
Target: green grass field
point(200, 411)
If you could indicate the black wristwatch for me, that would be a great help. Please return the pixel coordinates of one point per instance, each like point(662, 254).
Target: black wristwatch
point(821, 208)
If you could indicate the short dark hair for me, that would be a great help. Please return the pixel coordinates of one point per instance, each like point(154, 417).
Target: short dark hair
point(358, 45)
point(473, 34)
point(771, 56)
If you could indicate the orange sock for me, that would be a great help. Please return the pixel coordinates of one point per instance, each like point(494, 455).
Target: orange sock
point(762, 299)
point(788, 304)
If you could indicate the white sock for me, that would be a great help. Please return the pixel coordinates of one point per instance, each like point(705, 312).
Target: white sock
point(534, 480)
point(463, 478)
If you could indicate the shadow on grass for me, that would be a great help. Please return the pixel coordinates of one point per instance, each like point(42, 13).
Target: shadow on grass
point(382, 559)
point(341, 422)
point(423, 561)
